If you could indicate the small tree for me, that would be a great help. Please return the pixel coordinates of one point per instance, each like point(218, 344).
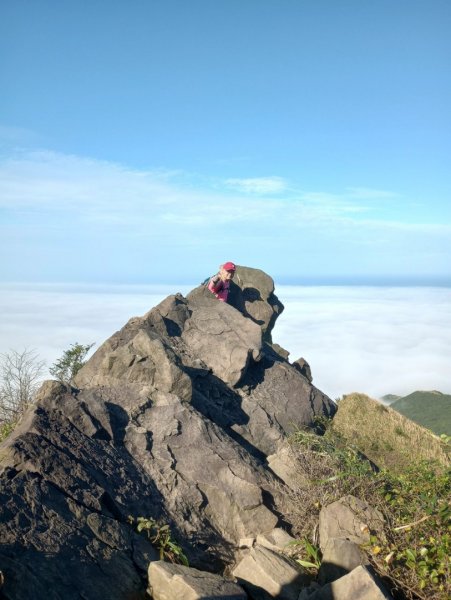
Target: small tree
point(20, 374)
point(66, 367)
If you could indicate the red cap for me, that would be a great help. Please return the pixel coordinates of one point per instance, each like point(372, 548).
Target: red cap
point(229, 266)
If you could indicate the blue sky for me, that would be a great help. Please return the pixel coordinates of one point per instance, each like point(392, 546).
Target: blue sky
point(149, 141)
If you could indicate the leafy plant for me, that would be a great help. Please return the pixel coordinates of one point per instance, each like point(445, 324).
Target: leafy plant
point(160, 536)
point(72, 360)
point(312, 552)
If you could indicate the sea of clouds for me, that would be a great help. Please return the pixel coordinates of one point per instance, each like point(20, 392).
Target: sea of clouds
point(376, 340)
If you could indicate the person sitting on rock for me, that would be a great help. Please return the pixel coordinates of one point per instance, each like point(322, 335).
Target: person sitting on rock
point(219, 284)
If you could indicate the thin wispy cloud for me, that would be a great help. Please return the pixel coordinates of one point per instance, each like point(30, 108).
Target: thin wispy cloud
point(351, 200)
point(64, 182)
point(101, 190)
point(50, 200)
point(258, 185)
point(370, 194)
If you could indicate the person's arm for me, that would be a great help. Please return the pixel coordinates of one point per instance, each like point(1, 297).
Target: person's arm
point(214, 284)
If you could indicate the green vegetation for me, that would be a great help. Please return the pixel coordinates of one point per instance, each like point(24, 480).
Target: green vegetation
point(412, 556)
point(160, 537)
point(429, 409)
point(66, 367)
point(418, 545)
point(312, 553)
point(21, 375)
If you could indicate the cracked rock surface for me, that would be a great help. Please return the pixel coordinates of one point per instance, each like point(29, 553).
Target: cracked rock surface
point(173, 419)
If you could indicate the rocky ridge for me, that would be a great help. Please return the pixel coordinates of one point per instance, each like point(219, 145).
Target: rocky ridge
point(177, 417)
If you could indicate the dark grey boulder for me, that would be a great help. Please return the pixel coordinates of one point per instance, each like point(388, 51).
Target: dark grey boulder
point(225, 340)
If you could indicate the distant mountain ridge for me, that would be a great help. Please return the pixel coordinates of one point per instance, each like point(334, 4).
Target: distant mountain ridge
point(390, 398)
point(431, 409)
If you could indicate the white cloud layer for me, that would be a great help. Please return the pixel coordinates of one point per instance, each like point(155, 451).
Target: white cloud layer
point(374, 340)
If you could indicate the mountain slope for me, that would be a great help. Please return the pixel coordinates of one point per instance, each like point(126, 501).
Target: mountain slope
point(384, 435)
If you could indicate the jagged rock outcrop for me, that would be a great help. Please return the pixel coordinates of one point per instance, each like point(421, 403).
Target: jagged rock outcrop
point(252, 293)
point(172, 418)
point(304, 368)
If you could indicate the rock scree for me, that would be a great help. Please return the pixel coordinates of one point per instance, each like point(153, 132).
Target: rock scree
point(173, 419)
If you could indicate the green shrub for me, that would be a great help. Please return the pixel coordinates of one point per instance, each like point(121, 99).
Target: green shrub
point(159, 535)
point(72, 360)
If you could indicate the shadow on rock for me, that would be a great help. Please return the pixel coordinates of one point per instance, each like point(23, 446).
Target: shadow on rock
point(222, 405)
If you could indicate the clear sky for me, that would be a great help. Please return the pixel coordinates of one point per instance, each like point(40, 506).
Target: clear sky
point(149, 141)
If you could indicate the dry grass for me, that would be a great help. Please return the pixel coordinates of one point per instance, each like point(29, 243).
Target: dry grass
point(385, 436)
point(322, 474)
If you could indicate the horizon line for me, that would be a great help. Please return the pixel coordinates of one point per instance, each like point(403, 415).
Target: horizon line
point(287, 280)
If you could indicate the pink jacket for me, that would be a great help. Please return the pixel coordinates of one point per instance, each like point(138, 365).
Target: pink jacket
point(219, 288)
